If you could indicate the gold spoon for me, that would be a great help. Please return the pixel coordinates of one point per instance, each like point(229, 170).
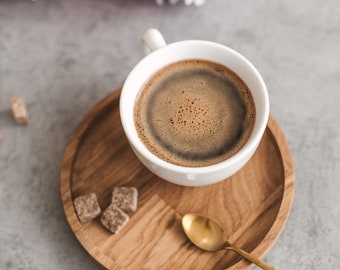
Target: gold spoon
point(208, 234)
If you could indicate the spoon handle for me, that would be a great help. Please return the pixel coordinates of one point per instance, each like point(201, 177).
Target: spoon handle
point(250, 257)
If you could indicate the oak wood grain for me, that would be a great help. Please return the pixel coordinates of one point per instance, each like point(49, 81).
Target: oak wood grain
point(253, 205)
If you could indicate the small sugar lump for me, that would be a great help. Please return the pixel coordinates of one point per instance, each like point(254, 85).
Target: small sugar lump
point(87, 207)
point(125, 198)
point(113, 218)
point(19, 111)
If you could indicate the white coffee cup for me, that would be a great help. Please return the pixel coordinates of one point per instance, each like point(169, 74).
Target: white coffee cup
point(159, 55)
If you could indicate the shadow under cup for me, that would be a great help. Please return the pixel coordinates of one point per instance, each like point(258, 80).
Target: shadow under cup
point(204, 50)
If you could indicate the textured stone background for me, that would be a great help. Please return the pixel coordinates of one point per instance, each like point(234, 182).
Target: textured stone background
point(64, 56)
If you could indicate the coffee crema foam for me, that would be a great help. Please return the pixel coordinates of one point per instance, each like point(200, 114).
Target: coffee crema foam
point(194, 113)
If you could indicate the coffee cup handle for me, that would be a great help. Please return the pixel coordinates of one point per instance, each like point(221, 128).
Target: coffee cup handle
point(152, 40)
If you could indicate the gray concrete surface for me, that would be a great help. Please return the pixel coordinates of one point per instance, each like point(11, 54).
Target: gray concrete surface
point(62, 57)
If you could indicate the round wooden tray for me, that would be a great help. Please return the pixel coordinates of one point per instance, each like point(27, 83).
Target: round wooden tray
point(253, 205)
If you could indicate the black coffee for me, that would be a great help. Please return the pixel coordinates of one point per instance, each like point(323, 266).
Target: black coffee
point(194, 113)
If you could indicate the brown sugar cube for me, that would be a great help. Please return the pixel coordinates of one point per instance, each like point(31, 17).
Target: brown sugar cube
point(113, 218)
point(19, 111)
point(125, 198)
point(87, 207)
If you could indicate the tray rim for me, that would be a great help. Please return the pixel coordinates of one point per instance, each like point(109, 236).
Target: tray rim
point(66, 197)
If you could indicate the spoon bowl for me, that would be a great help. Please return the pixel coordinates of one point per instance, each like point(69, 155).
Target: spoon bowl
point(207, 234)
